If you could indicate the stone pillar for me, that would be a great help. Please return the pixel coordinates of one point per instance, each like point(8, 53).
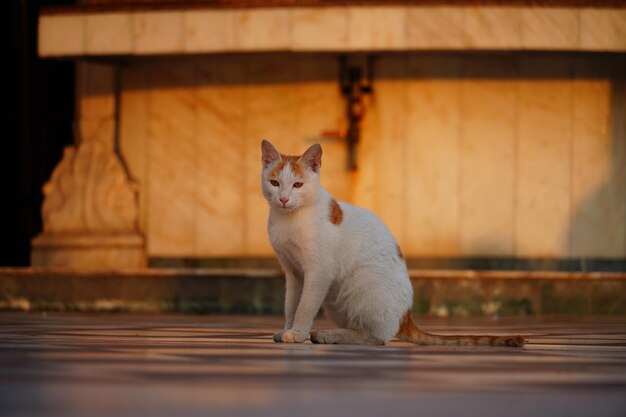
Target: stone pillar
point(90, 210)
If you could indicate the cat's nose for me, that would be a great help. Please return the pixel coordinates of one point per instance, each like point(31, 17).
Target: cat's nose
point(284, 200)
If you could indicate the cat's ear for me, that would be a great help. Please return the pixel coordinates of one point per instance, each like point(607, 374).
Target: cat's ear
point(269, 154)
point(312, 158)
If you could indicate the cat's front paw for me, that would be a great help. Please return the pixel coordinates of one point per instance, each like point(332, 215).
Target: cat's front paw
point(278, 336)
point(293, 336)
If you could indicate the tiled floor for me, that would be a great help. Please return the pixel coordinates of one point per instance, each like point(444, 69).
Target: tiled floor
point(120, 365)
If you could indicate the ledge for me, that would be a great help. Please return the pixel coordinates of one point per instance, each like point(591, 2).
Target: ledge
point(253, 291)
point(85, 32)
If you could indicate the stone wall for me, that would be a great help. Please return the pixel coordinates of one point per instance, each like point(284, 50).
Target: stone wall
point(492, 154)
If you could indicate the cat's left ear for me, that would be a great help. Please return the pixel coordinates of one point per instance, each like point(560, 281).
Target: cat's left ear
point(312, 158)
point(269, 154)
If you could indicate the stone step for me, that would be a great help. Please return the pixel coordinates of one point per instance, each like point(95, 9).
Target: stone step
point(261, 290)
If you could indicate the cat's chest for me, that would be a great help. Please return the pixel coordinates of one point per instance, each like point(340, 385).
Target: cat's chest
point(289, 249)
point(285, 236)
point(290, 238)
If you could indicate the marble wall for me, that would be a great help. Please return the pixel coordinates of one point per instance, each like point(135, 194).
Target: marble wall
point(81, 32)
point(461, 154)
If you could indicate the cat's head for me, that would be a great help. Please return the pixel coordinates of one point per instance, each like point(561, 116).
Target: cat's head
point(290, 182)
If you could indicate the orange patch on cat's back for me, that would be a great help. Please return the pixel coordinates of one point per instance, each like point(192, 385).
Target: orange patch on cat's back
point(336, 213)
point(291, 160)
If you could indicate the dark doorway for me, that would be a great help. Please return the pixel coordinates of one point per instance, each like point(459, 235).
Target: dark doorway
point(37, 125)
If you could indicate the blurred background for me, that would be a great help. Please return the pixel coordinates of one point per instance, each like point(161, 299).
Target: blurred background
point(488, 135)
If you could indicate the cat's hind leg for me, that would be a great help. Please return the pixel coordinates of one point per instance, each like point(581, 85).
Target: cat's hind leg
point(345, 337)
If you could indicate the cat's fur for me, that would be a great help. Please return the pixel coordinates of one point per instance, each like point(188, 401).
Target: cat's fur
point(342, 257)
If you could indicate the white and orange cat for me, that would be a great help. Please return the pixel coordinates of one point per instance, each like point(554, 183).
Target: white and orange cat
point(343, 258)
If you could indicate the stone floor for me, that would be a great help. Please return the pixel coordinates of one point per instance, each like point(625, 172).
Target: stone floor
point(155, 365)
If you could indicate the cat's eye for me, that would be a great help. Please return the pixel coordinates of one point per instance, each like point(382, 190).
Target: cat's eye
point(297, 184)
point(274, 183)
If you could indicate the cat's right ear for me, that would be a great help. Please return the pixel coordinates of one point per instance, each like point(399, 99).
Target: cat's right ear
point(269, 154)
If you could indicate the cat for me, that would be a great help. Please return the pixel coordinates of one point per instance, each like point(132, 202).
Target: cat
point(341, 257)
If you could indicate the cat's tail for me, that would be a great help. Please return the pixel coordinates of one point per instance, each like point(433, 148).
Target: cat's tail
point(411, 333)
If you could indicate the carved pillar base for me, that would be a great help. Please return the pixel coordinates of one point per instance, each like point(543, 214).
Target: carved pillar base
point(90, 209)
point(89, 214)
point(89, 251)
